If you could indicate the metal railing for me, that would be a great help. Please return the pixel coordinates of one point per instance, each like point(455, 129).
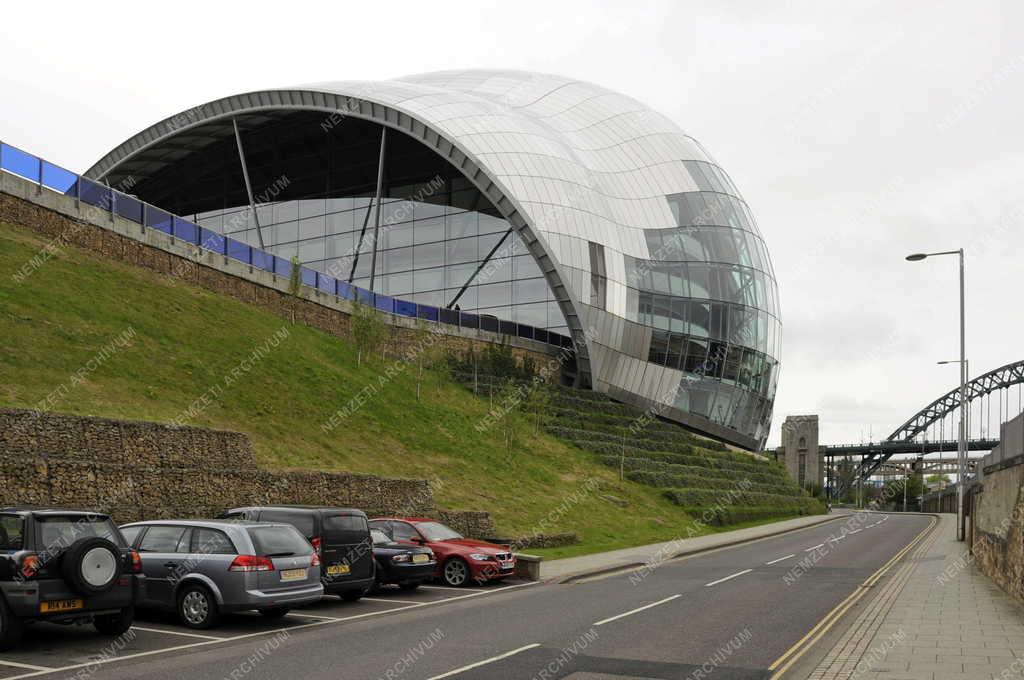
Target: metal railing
point(55, 178)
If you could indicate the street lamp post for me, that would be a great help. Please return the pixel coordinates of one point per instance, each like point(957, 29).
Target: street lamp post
point(961, 453)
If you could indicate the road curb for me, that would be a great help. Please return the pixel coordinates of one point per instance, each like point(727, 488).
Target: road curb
point(630, 566)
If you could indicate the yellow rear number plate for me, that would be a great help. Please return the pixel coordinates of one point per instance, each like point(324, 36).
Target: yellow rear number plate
point(420, 558)
point(61, 606)
point(293, 574)
point(337, 570)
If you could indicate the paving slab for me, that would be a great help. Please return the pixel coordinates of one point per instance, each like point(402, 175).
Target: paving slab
point(936, 617)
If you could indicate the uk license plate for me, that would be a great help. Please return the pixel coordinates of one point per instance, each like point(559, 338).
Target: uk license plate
point(420, 558)
point(293, 575)
point(337, 569)
point(61, 606)
point(507, 565)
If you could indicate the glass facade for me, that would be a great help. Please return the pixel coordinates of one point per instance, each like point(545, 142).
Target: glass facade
point(429, 247)
point(652, 261)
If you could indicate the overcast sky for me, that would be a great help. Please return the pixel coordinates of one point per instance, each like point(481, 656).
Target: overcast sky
point(857, 131)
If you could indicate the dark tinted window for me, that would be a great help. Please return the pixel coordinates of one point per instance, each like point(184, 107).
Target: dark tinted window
point(57, 533)
point(282, 541)
point(130, 534)
point(211, 542)
point(347, 523)
point(11, 528)
point(163, 539)
point(303, 521)
point(403, 531)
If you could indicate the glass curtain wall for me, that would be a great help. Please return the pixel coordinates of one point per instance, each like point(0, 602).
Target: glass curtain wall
point(433, 238)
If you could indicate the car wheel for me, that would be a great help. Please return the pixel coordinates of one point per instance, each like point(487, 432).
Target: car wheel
point(274, 612)
point(352, 595)
point(197, 608)
point(11, 627)
point(115, 624)
point(409, 585)
point(91, 565)
point(455, 573)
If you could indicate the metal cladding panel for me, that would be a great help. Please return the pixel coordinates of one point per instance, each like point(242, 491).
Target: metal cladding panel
point(569, 162)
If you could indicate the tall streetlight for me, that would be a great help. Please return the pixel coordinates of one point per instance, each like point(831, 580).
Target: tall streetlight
point(961, 449)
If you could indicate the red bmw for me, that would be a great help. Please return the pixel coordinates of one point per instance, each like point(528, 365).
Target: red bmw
point(459, 559)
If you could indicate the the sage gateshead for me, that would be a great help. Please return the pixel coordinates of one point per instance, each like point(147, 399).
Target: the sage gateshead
point(512, 197)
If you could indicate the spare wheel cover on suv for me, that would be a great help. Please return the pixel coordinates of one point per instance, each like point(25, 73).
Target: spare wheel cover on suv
point(92, 565)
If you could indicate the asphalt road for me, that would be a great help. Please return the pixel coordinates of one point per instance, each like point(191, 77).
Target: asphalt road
point(727, 614)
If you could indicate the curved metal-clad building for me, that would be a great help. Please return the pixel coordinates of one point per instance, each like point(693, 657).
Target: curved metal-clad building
point(530, 197)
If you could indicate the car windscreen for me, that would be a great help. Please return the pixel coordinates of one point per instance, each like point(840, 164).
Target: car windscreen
point(279, 542)
point(58, 533)
point(435, 531)
point(379, 537)
point(11, 533)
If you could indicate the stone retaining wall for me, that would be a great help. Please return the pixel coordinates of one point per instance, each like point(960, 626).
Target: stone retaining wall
point(141, 470)
point(997, 524)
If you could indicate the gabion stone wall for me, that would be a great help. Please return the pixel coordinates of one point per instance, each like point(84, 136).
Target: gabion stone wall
point(141, 470)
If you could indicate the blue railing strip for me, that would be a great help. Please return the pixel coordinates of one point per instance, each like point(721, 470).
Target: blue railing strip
point(56, 178)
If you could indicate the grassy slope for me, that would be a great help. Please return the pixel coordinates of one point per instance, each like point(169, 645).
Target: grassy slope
point(187, 340)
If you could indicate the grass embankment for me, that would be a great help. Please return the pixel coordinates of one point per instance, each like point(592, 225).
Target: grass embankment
point(184, 343)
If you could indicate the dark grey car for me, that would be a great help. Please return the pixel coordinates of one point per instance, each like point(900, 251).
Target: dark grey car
point(203, 568)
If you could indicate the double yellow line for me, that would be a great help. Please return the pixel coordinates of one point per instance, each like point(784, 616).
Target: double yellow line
point(794, 653)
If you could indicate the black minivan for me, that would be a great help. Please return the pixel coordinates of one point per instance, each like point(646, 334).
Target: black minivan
point(341, 536)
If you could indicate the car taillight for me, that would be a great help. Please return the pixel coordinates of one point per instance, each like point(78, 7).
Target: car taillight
point(316, 561)
point(136, 562)
point(30, 566)
point(251, 563)
point(317, 543)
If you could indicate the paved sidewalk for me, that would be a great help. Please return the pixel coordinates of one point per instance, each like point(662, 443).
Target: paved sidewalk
point(936, 617)
point(586, 565)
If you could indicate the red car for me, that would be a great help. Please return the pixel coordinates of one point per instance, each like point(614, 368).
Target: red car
point(459, 559)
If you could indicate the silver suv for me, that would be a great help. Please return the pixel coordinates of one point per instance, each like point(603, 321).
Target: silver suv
point(203, 568)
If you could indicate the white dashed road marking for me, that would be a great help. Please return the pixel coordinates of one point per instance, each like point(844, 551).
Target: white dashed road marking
point(485, 662)
point(815, 547)
point(207, 641)
point(731, 576)
point(634, 611)
point(780, 559)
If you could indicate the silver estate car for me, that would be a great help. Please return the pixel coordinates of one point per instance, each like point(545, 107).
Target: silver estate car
point(204, 568)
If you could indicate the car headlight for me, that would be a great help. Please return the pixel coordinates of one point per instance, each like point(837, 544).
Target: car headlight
point(403, 557)
point(481, 558)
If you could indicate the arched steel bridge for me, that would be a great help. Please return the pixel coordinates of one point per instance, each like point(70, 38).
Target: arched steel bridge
point(901, 440)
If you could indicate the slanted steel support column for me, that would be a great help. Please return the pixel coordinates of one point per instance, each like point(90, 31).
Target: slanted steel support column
point(482, 264)
point(376, 215)
point(248, 185)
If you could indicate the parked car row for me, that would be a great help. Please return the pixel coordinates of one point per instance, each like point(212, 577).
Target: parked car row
point(68, 566)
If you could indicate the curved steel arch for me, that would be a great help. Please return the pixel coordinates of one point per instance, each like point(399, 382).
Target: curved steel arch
point(333, 103)
point(1002, 377)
